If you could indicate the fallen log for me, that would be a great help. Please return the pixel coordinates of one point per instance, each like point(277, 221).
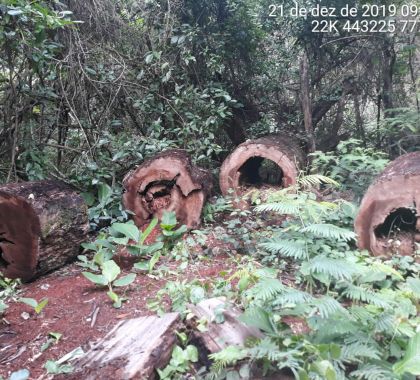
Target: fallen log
point(167, 182)
point(133, 349)
point(273, 160)
point(218, 336)
point(230, 332)
point(42, 225)
point(388, 221)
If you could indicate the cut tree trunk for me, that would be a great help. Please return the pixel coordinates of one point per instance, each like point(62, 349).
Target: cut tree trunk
point(167, 182)
point(388, 221)
point(133, 349)
point(244, 168)
point(218, 336)
point(42, 225)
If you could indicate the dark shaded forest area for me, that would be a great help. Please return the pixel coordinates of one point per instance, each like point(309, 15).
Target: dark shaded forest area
point(246, 172)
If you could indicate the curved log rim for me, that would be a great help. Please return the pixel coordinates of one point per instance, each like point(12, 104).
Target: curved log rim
point(242, 168)
point(388, 221)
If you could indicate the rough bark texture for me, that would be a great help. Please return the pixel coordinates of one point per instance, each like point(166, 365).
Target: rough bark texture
point(167, 182)
point(245, 160)
point(42, 225)
point(133, 349)
point(389, 216)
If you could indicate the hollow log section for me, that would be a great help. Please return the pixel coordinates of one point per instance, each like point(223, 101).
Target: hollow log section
point(167, 182)
point(243, 164)
point(389, 216)
point(42, 225)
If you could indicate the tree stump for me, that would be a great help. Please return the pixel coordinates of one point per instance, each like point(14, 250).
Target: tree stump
point(388, 221)
point(167, 182)
point(273, 161)
point(42, 225)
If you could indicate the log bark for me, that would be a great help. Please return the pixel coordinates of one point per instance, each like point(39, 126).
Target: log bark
point(241, 169)
point(42, 225)
point(388, 221)
point(219, 336)
point(133, 349)
point(167, 182)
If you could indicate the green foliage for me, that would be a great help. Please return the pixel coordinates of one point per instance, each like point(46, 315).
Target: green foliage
point(109, 277)
point(181, 293)
point(362, 322)
point(179, 363)
point(8, 289)
point(34, 304)
point(54, 368)
point(169, 233)
point(352, 165)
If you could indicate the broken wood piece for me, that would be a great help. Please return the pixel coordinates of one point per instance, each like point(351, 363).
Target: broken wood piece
point(388, 218)
point(42, 225)
point(273, 161)
point(167, 182)
point(133, 349)
point(218, 336)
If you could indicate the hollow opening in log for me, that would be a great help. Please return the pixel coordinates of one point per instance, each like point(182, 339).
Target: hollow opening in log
point(3, 262)
point(259, 172)
point(402, 220)
point(157, 194)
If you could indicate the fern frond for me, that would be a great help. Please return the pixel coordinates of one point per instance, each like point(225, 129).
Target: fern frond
point(330, 231)
point(267, 348)
point(356, 352)
point(293, 296)
point(328, 306)
point(385, 322)
point(288, 248)
point(360, 293)
point(228, 356)
point(373, 372)
point(360, 313)
point(338, 269)
point(284, 208)
point(316, 180)
point(266, 289)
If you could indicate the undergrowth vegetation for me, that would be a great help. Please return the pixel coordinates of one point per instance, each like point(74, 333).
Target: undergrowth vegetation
point(327, 310)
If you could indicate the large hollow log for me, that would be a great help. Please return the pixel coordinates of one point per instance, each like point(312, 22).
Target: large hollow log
point(167, 182)
point(388, 221)
point(273, 160)
point(42, 225)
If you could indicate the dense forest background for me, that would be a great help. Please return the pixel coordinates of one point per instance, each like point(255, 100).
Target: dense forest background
point(88, 89)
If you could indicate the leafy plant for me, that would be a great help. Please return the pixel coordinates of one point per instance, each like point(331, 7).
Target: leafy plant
point(180, 362)
point(352, 165)
point(8, 289)
point(53, 338)
point(55, 368)
point(109, 277)
point(37, 306)
point(169, 231)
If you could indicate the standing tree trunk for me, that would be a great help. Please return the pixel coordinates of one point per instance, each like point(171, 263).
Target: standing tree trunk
point(305, 99)
point(167, 182)
point(42, 225)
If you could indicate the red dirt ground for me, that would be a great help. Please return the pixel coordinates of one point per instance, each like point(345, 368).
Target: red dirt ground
point(72, 302)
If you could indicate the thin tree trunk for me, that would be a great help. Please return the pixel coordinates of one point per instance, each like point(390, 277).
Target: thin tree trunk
point(359, 120)
point(306, 102)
